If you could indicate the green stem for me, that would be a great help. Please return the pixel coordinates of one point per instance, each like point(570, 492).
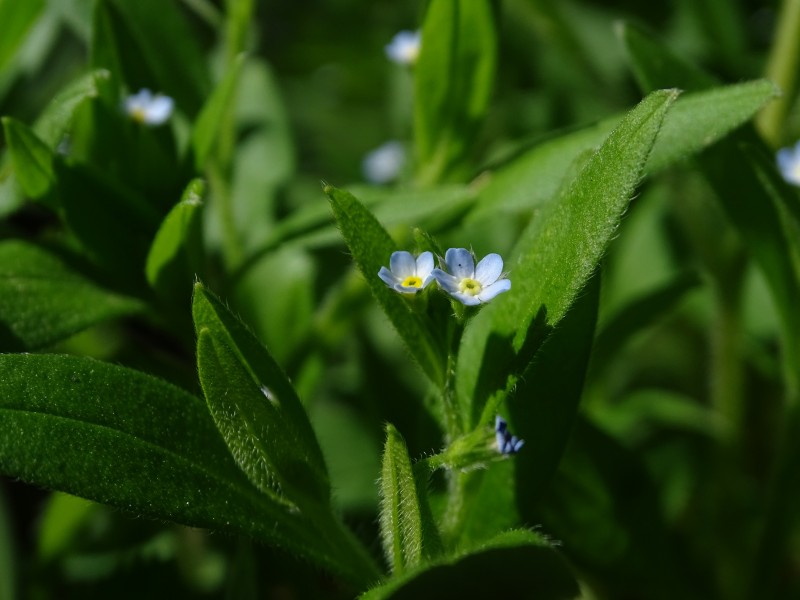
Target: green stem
point(452, 413)
point(782, 68)
point(232, 249)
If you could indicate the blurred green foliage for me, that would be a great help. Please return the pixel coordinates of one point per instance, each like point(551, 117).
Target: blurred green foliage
point(194, 338)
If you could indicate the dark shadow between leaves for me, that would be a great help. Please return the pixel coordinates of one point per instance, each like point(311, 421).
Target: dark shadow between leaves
point(504, 363)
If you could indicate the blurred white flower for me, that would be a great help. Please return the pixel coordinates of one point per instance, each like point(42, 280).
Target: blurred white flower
point(407, 275)
point(470, 284)
point(404, 47)
point(789, 163)
point(384, 164)
point(149, 109)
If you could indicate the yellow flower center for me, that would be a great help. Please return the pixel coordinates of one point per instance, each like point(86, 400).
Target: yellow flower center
point(470, 287)
point(412, 281)
point(138, 115)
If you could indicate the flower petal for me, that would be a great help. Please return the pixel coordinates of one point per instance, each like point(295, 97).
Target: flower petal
point(402, 264)
point(489, 269)
point(448, 282)
point(424, 265)
point(387, 277)
point(460, 262)
point(466, 299)
point(405, 289)
point(498, 287)
point(786, 159)
point(159, 110)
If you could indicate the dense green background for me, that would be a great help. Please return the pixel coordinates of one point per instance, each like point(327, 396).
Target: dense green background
point(192, 328)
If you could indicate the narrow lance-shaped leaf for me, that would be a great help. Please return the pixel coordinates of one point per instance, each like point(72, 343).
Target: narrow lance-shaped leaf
point(17, 19)
point(215, 114)
point(372, 247)
point(32, 159)
point(453, 84)
point(173, 257)
point(514, 564)
point(43, 299)
point(555, 256)
point(117, 436)
point(256, 408)
point(695, 121)
point(401, 515)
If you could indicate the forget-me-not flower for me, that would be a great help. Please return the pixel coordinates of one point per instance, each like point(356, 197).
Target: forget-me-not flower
point(404, 47)
point(408, 275)
point(384, 164)
point(470, 284)
point(789, 163)
point(506, 443)
point(148, 108)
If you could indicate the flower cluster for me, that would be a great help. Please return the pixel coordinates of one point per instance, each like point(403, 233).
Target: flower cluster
point(463, 280)
point(149, 109)
point(506, 443)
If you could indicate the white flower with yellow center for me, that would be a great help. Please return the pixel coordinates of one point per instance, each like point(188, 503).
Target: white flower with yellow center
point(407, 275)
point(149, 109)
point(470, 284)
point(789, 163)
point(404, 47)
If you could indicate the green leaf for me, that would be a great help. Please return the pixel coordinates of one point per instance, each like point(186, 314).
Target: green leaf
point(43, 299)
point(50, 127)
point(699, 119)
point(514, 564)
point(555, 257)
point(604, 506)
point(655, 68)
point(114, 224)
point(119, 437)
point(401, 513)
point(453, 85)
point(545, 401)
point(536, 176)
point(637, 314)
point(61, 522)
point(57, 117)
point(149, 44)
point(32, 159)
point(216, 113)
point(173, 259)
point(752, 193)
point(372, 247)
point(256, 408)
point(17, 19)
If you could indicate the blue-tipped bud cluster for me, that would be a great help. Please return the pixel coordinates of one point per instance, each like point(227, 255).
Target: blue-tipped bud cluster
point(506, 443)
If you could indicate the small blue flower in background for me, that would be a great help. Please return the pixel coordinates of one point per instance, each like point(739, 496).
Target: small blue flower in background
point(408, 275)
point(384, 164)
point(149, 109)
point(404, 47)
point(789, 163)
point(506, 443)
point(470, 284)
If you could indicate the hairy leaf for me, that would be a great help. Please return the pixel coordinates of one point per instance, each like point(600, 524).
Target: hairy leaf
point(453, 84)
point(514, 564)
point(555, 256)
point(43, 299)
point(256, 408)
